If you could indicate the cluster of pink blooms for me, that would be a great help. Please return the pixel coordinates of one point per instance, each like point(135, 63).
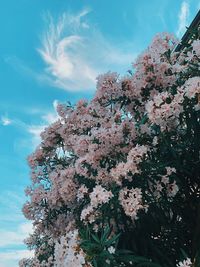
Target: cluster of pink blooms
point(192, 90)
point(98, 197)
point(35, 262)
point(163, 113)
point(68, 252)
point(131, 201)
point(163, 185)
point(97, 152)
point(192, 87)
point(63, 187)
point(186, 263)
point(134, 158)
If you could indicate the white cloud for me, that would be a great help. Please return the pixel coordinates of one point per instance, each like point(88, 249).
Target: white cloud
point(13, 229)
point(51, 117)
point(35, 131)
point(11, 258)
point(46, 119)
point(62, 54)
point(11, 203)
point(10, 207)
point(5, 120)
point(183, 18)
point(76, 21)
point(15, 254)
point(15, 237)
point(75, 52)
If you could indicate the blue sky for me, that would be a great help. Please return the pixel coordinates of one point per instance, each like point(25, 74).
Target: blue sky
point(51, 51)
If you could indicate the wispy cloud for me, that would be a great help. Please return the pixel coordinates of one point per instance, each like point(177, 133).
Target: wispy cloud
point(5, 120)
point(16, 237)
point(11, 258)
point(62, 51)
point(46, 119)
point(35, 131)
point(52, 116)
point(183, 18)
point(11, 203)
point(75, 21)
point(13, 229)
point(75, 52)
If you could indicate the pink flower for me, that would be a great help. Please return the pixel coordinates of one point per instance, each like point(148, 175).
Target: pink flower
point(131, 201)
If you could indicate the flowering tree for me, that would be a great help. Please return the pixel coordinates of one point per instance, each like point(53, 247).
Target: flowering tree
point(115, 181)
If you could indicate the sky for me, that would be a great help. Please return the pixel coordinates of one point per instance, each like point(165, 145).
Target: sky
point(52, 51)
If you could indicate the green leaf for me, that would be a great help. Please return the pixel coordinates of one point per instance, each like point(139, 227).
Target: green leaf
point(96, 238)
point(183, 253)
point(112, 240)
point(105, 234)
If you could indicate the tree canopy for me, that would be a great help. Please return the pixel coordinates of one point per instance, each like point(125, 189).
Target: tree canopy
point(115, 181)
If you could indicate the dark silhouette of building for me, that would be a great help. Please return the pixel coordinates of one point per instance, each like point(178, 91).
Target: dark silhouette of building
point(192, 29)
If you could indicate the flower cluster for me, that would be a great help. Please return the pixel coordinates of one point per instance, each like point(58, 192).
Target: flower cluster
point(131, 201)
point(98, 196)
point(68, 251)
point(120, 172)
point(164, 186)
point(185, 263)
point(164, 110)
point(134, 158)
